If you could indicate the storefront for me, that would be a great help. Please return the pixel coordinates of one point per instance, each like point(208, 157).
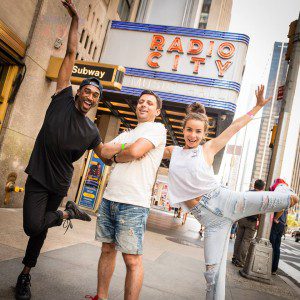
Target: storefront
point(182, 65)
point(12, 50)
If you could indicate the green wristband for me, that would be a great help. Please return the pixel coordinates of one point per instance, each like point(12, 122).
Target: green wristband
point(123, 146)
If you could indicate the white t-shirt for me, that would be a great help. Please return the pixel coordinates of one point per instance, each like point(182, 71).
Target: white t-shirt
point(190, 176)
point(132, 182)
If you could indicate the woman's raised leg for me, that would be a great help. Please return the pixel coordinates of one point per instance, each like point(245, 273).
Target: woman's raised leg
point(240, 205)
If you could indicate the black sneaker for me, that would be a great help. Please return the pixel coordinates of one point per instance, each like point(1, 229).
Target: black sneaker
point(76, 213)
point(23, 287)
point(239, 264)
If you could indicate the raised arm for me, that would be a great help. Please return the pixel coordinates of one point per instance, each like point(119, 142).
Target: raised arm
point(66, 68)
point(130, 152)
point(213, 146)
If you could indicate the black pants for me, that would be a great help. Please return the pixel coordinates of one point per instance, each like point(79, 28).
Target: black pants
point(39, 213)
point(275, 239)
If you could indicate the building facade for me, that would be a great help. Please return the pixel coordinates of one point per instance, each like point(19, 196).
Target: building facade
point(203, 14)
point(38, 30)
point(277, 78)
point(215, 15)
point(34, 32)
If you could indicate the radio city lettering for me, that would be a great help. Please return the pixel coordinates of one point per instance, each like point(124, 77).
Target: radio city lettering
point(85, 71)
point(225, 50)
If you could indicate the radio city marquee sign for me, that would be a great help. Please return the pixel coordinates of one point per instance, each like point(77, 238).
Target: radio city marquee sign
point(111, 76)
point(185, 61)
point(194, 49)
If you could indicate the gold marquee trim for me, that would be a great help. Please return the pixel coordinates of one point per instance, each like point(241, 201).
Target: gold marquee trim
point(9, 38)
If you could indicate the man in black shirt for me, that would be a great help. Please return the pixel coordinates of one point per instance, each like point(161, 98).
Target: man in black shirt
point(245, 232)
point(64, 137)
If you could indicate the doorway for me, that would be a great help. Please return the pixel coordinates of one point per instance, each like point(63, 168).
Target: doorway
point(8, 73)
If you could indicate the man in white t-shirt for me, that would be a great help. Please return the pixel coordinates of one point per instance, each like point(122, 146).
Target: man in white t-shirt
point(125, 206)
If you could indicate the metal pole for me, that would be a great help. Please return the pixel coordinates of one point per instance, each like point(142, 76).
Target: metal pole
point(285, 114)
point(259, 258)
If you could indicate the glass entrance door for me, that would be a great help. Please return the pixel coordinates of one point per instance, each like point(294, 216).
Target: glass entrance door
point(7, 75)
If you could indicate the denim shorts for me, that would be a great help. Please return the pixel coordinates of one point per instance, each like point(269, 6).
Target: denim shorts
point(122, 224)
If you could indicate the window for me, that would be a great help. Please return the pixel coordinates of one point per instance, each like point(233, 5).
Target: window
point(93, 19)
point(89, 12)
point(94, 53)
point(86, 41)
point(97, 23)
point(100, 31)
point(3, 74)
point(82, 35)
point(124, 9)
point(204, 14)
point(91, 46)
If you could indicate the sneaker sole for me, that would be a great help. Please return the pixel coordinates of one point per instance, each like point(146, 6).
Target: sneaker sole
point(19, 297)
point(80, 213)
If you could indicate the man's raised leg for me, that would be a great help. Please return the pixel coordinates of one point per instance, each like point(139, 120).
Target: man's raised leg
point(106, 267)
point(134, 276)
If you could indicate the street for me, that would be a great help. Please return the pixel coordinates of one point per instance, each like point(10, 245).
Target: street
point(290, 252)
point(124, 125)
point(290, 258)
point(173, 261)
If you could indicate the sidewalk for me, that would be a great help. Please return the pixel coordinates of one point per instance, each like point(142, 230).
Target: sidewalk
point(173, 261)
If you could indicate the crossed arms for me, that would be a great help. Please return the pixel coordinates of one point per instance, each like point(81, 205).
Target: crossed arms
point(132, 152)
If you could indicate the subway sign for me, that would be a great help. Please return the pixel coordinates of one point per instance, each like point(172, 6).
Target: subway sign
point(111, 76)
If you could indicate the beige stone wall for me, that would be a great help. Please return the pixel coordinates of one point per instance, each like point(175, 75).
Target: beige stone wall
point(219, 15)
point(12, 12)
point(26, 115)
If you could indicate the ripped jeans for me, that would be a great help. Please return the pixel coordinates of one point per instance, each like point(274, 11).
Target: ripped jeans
point(217, 211)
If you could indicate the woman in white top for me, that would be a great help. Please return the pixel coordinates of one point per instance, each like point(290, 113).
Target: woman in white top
point(192, 185)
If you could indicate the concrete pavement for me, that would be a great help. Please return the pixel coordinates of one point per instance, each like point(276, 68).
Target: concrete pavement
point(290, 258)
point(173, 260)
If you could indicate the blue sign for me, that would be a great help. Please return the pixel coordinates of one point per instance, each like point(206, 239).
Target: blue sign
point(92, 182)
